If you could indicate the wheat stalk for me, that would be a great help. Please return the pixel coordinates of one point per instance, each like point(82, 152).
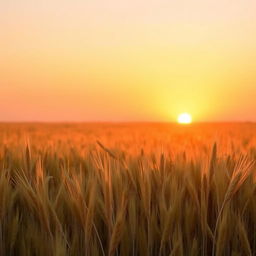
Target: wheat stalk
point(241, 172)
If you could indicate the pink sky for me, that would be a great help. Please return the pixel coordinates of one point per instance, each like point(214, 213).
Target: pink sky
point(127, 60)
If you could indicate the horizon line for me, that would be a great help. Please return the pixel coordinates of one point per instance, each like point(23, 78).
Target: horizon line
point(118, 122)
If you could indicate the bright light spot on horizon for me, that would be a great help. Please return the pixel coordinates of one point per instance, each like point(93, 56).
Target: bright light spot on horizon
point(184, 118)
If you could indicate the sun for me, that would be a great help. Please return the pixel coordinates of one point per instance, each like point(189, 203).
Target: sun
point(184, 118)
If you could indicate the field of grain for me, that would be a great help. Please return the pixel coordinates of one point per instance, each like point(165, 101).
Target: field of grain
point(127, 189)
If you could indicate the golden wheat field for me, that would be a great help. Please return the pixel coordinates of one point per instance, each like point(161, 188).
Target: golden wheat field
point(127, 189)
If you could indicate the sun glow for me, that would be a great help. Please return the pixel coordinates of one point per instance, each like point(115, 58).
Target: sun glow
point(184, 118)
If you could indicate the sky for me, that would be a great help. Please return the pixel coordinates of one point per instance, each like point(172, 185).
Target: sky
point(136, 60)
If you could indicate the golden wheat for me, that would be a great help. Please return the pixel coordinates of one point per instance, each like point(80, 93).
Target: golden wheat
point(127, 189)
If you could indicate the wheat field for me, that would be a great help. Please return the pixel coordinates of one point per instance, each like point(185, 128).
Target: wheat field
point(127, 189)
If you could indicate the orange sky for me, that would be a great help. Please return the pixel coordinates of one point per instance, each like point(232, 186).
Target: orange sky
point(131, 60)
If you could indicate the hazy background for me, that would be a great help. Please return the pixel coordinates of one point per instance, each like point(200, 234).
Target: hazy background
point(127, 60)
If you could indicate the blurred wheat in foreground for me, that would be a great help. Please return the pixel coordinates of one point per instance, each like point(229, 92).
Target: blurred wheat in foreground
point(101, 189)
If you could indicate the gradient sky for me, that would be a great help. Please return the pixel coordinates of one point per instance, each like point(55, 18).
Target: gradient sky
point(131, 60)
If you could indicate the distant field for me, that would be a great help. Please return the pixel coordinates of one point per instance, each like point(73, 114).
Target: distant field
point(127, 189)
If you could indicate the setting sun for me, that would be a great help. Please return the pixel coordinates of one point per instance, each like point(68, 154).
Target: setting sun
point(184, 118)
